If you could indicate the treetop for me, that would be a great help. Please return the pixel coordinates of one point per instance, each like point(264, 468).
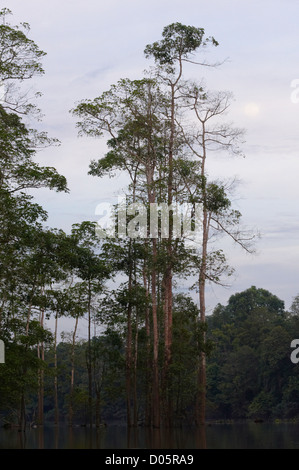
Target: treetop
point(179, 41)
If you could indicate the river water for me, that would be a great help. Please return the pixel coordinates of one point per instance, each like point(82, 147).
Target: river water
point(215, 436)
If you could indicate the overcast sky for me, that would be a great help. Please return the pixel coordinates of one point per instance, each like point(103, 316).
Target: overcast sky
point(92, 44)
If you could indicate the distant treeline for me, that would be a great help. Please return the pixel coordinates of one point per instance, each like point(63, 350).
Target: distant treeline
point(249, 370)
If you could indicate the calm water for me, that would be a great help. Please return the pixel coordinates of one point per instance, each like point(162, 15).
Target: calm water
point(216, 436)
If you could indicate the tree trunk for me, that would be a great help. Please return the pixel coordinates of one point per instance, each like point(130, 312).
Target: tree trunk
point(135, 410)
point(168, 272)
point(89, 366)
point(98, 407)
point(201, 372)
point(4, 299)
point(148, 352)
point(201, 397)
point(41, 355)
point(129, 364)
point(56, 413)
point(167, 310)
point(129, 343)
point(22, 417)
point(71, 407)
point(155, 388)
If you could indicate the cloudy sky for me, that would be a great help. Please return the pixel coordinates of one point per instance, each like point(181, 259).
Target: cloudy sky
point(92, 44)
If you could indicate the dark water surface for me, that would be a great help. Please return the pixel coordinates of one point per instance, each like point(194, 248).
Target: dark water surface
point(216, 436)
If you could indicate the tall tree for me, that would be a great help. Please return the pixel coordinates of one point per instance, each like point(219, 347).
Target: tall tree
point(212, 134)
point(129, 114)
point(178, 45)
point(26, 267)
point(158, 127)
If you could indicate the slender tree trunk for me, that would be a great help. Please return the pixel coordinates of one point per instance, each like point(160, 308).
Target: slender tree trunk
point(98, 406)
point(28, 318)
point(148, 352)
point(41, 355)
point(1, 310)
point(71, 407)
point(56, 413)
point(22, 418)
point(89, 360)
point(167, 309)
point(135, 356)
point(201, 398)
point(129, 365)
point(164, 377)
point(129, 343)
point(155, 388)
point(155, 392)
point(169, 354)
point(135, 410)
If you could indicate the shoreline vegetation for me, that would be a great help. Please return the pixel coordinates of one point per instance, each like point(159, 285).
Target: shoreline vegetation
point(268, 329)
point(208, 423)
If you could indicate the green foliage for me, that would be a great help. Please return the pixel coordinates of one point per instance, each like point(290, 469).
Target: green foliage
point(178, 43)
point(216, 199)
point(294, 310)
point(17, 148)
point(249, 371)
point(245, 302)
point(262, 406)
point(20, 56)
point(29, 259)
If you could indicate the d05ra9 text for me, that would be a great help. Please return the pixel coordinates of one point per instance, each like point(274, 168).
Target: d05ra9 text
point(170, 459)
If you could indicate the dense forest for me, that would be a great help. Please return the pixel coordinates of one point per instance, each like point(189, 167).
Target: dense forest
point(159, 360)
